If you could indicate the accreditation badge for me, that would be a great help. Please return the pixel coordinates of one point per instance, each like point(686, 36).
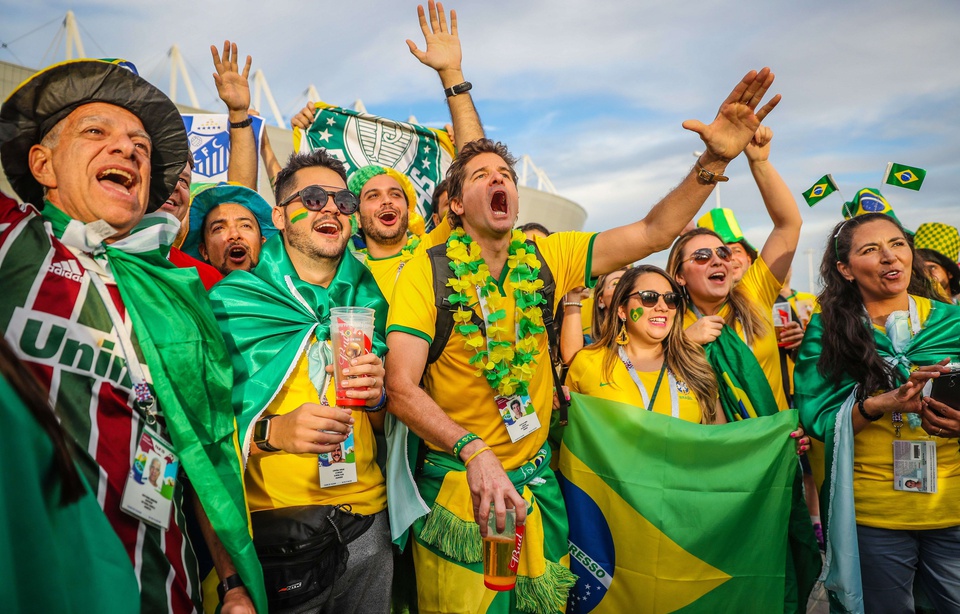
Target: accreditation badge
point(518, 416)
point(915, 466)
point(148, 492)
point(340, 466)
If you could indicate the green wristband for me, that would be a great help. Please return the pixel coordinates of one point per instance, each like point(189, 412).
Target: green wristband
point(463, 441)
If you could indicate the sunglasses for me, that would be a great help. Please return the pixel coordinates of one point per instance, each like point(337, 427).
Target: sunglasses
point(704, 254)
point(649, 298)
point(314, 198)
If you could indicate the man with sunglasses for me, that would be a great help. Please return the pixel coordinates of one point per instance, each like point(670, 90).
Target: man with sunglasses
point(489, 466)
point(277, 319)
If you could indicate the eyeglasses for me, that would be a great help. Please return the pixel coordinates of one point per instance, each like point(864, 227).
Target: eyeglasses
point(704, 254)
point(314, 198)
point(649, 298)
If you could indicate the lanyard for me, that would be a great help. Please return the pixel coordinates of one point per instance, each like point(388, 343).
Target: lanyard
point(145, 401)
point(649, 401)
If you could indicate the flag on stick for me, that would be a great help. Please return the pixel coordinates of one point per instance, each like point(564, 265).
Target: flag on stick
point(825, 186)
point(904, 176)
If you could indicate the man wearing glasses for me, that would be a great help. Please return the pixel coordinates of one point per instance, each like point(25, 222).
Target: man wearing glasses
point(276, 318)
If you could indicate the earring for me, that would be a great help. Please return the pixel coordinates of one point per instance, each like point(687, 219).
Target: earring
point(622, 337)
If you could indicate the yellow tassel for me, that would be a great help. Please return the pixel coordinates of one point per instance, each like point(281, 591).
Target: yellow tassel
point(622, 337)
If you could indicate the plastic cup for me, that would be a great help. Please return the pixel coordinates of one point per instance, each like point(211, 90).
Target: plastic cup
point(351, 334)
point(501, 552)
point(781, 317)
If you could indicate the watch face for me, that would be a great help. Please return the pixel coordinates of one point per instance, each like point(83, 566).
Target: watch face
point(260, 430)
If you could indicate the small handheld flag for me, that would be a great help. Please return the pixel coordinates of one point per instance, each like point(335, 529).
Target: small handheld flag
point(904, 176)
point(825, 186)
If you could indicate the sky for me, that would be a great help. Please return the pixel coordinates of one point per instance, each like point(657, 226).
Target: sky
point(594, 93)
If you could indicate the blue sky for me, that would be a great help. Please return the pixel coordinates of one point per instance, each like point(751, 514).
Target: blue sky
point(596, 95)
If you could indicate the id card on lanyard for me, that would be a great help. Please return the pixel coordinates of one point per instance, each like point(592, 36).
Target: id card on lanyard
point(517, 412)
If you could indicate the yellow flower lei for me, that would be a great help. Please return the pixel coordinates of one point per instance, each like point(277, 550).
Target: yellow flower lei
point(406, 253)
point(507, 366)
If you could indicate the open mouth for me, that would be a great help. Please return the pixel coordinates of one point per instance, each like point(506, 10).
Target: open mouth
point(892, 275)
point(718, 277)
point(499, 203)
point(388, 217)
point(237, 254)
point(116, 179)
point(328, 228)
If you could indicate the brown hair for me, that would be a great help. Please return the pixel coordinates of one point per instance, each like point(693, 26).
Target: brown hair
point(754, 321)
point(685, 359)
point(457, 173)
point(599, 322)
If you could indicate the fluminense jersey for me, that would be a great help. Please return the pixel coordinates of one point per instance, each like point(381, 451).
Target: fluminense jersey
point(56, 321)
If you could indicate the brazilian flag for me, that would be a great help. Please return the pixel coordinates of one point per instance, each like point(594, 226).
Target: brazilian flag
point(903, 176)
point(670, 516)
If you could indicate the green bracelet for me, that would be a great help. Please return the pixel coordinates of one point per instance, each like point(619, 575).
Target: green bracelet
point(463, 441)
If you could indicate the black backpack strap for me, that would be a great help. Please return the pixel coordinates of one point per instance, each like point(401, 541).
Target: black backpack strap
point(549, 292)
point(440, 266)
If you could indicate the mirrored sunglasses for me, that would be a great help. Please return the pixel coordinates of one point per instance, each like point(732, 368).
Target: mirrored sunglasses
point(704, 254)
point(314, 198)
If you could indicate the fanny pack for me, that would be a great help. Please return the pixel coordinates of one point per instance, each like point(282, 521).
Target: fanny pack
point(303, 549)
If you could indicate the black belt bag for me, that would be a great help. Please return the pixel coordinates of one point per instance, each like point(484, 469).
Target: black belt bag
point(303, 549)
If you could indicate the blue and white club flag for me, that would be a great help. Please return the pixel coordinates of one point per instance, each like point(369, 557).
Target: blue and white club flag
point(209, 135)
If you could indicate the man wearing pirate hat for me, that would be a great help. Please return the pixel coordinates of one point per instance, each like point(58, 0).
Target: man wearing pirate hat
point(114, 331)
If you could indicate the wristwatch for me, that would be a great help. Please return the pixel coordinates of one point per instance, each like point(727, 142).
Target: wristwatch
point(261, 434)
point(709, 177)
point(230, 583)
point(460, 88)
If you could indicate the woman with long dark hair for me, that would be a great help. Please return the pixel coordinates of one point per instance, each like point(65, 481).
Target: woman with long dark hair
point(866, 357)
point(643, 358)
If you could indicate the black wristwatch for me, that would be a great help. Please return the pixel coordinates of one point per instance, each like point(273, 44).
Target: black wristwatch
point(261, 434)
point(230, 583)
point(460, 88)
point(241, 124)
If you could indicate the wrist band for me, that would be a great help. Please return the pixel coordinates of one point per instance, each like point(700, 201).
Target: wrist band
point(380, 404)
point(243, 124)
point(863, 412)
point(457, 447)
point(476, 454)
point(572, 304)
point(460, 88)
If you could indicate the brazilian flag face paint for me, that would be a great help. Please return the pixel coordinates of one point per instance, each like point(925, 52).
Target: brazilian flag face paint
point(636, 313)
point(298, 215)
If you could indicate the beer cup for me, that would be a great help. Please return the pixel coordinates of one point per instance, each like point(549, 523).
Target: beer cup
point(499, 568)
point(781, 317)
point(351, 335)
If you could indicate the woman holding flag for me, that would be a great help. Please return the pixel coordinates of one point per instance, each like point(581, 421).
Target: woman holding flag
point(863, 365)
point(643, 358)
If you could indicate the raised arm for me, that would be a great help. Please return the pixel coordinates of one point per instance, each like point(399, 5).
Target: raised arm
point(488, 481)
point(735, 124)
point(234, 90)
point(780, 246)
point(443, 55)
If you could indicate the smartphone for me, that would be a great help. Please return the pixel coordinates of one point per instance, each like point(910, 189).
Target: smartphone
point(946, 389)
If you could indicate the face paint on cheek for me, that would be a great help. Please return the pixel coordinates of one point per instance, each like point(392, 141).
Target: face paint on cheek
point(636, 313)
point(298, 215)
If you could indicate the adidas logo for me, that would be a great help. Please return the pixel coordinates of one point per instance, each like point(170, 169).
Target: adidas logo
point(68, 269)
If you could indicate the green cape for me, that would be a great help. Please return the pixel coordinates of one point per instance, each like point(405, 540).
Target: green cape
point(267, 317)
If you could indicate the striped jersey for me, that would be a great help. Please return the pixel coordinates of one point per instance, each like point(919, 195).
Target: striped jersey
point(57, 322)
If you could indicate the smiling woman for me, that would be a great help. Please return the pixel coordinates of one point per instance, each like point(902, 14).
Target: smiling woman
point(881, 335)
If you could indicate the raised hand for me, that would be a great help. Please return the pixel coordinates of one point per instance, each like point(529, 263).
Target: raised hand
point(738, 119)
point(233, 86)
point(304, 117)
point(443, 44)
point(758, 149)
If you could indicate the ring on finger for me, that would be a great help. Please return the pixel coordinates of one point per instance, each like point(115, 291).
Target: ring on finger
point(939, 432)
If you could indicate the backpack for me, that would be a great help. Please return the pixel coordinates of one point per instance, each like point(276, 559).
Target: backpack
point(440, 265)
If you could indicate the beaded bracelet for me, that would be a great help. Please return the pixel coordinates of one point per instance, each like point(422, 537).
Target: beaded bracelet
point(379, 406)
point(457, 447)
point(466, 463)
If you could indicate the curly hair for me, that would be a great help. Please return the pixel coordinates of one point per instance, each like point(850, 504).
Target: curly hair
point(848, 345)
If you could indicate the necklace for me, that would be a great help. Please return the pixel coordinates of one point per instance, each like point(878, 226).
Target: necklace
point(507, 366)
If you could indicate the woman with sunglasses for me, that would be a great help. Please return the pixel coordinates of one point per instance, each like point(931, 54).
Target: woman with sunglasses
point(700, 262)
point(643, 358)
point(880, 336)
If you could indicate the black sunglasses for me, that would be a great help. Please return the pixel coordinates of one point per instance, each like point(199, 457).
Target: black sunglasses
point(314, 198)
point(649, 298)
point(704, 254)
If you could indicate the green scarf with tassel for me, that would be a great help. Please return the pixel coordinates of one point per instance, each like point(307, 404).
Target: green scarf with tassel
point(192, 379)
point(269, 315)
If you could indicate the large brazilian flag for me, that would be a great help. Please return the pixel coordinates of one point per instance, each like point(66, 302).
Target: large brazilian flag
point(670, 516)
